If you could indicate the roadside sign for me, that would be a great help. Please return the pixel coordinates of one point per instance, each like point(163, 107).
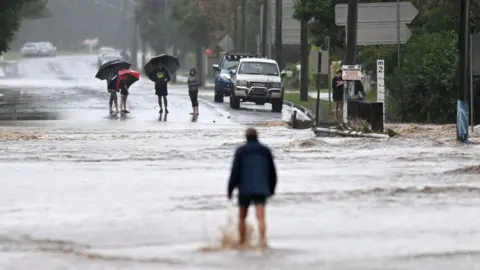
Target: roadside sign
point(352, 73)
point(319, 61)
point(377, 13)
point(290, 26)
point(384, 34)
point(378, 23)
point(475, 51)
point(226, 43)
point(381, 84)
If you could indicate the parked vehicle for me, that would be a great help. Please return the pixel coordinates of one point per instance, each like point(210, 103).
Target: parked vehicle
point(223, 82)
point(46, 48)
point(257, 80)
point(30, 49)
point(106, 57)
point(106, 51)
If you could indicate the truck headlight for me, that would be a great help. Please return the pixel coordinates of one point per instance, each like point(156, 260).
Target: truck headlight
point(242, 83)
point(275, 85)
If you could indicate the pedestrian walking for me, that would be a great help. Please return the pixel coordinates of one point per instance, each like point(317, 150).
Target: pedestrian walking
point(254, 175)
point(193, 85)
point(124, 95)
point(161, 84)
point(337, 86)
point(112, 89)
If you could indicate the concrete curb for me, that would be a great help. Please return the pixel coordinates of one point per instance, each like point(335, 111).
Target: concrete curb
point(306, 111)
point(346, 133)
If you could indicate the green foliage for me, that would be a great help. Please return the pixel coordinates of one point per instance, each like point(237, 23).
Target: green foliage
point(426, 82)
point(11, 14)
point(424, 88)
point(322, 12)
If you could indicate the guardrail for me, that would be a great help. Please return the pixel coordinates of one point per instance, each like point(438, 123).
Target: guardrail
point(372, 112)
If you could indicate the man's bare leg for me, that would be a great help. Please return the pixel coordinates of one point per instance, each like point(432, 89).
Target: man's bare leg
point(340, 110)
point(335, 110)
point(242, 227)
point(260, 211)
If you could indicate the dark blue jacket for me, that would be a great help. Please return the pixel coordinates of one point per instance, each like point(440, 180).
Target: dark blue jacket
point(253, 171)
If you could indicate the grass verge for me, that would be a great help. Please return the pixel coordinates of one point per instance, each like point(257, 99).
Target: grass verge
point(324, 104)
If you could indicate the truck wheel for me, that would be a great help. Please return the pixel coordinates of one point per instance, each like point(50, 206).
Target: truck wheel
point(277, 105)
point(218, 98)
point(234, 102)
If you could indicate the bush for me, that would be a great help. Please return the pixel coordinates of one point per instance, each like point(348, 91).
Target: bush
point(424, 88)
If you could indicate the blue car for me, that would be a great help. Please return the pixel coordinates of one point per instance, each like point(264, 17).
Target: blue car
point(223, 80)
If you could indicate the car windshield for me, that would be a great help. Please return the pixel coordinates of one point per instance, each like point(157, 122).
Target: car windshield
point(229, 64)
point(258, 68)
point(30, 45)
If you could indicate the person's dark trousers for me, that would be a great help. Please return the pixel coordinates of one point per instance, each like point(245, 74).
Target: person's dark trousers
point(193, 98)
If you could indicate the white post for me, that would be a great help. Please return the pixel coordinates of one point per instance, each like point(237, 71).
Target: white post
point(472, 97)
point(381, 84)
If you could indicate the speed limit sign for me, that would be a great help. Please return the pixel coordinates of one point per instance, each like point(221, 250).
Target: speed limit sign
point(352, 73)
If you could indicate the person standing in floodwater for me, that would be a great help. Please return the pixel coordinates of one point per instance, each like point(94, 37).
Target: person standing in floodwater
point(337, 86)
point(161, 84)
point(112, 89)
point(193, 85)
point(254, 175)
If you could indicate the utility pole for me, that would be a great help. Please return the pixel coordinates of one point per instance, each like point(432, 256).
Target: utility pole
point(244, 25)
point(278, 33)
point(398, 33)
point(463, 69)
point(235, 25)
point(303, 60)
point(134, 49)
point(165, 26)
point(352, 22)
point(265, 28)
point(351, 56)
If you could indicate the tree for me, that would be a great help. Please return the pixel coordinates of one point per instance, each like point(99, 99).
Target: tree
point(423, 89)
point(11, 14)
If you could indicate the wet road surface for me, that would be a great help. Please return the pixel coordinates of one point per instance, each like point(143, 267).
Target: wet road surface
point(101, 193)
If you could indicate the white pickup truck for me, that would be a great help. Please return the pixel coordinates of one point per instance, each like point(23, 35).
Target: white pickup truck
point(257, 80)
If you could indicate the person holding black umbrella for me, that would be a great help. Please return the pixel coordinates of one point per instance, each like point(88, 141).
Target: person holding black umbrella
point(161, 83)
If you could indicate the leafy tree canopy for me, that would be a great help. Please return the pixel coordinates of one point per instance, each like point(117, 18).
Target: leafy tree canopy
point(11, 14)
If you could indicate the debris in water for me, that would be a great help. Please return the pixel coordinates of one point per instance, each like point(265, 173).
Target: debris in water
point(17, 136)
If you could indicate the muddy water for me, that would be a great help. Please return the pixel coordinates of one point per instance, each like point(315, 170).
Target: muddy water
point(91, 192)
point(87, 199)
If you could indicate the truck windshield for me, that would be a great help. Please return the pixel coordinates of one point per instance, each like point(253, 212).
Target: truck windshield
point(258, 68)
point(229, 64)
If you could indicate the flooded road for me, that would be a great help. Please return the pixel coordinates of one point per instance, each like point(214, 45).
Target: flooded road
point(98, 193)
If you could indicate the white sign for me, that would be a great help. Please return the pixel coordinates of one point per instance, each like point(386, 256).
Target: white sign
point(352, 73)
point(381, 84)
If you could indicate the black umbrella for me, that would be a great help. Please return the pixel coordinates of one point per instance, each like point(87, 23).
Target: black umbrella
point(170, 63)
point(111, 67)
